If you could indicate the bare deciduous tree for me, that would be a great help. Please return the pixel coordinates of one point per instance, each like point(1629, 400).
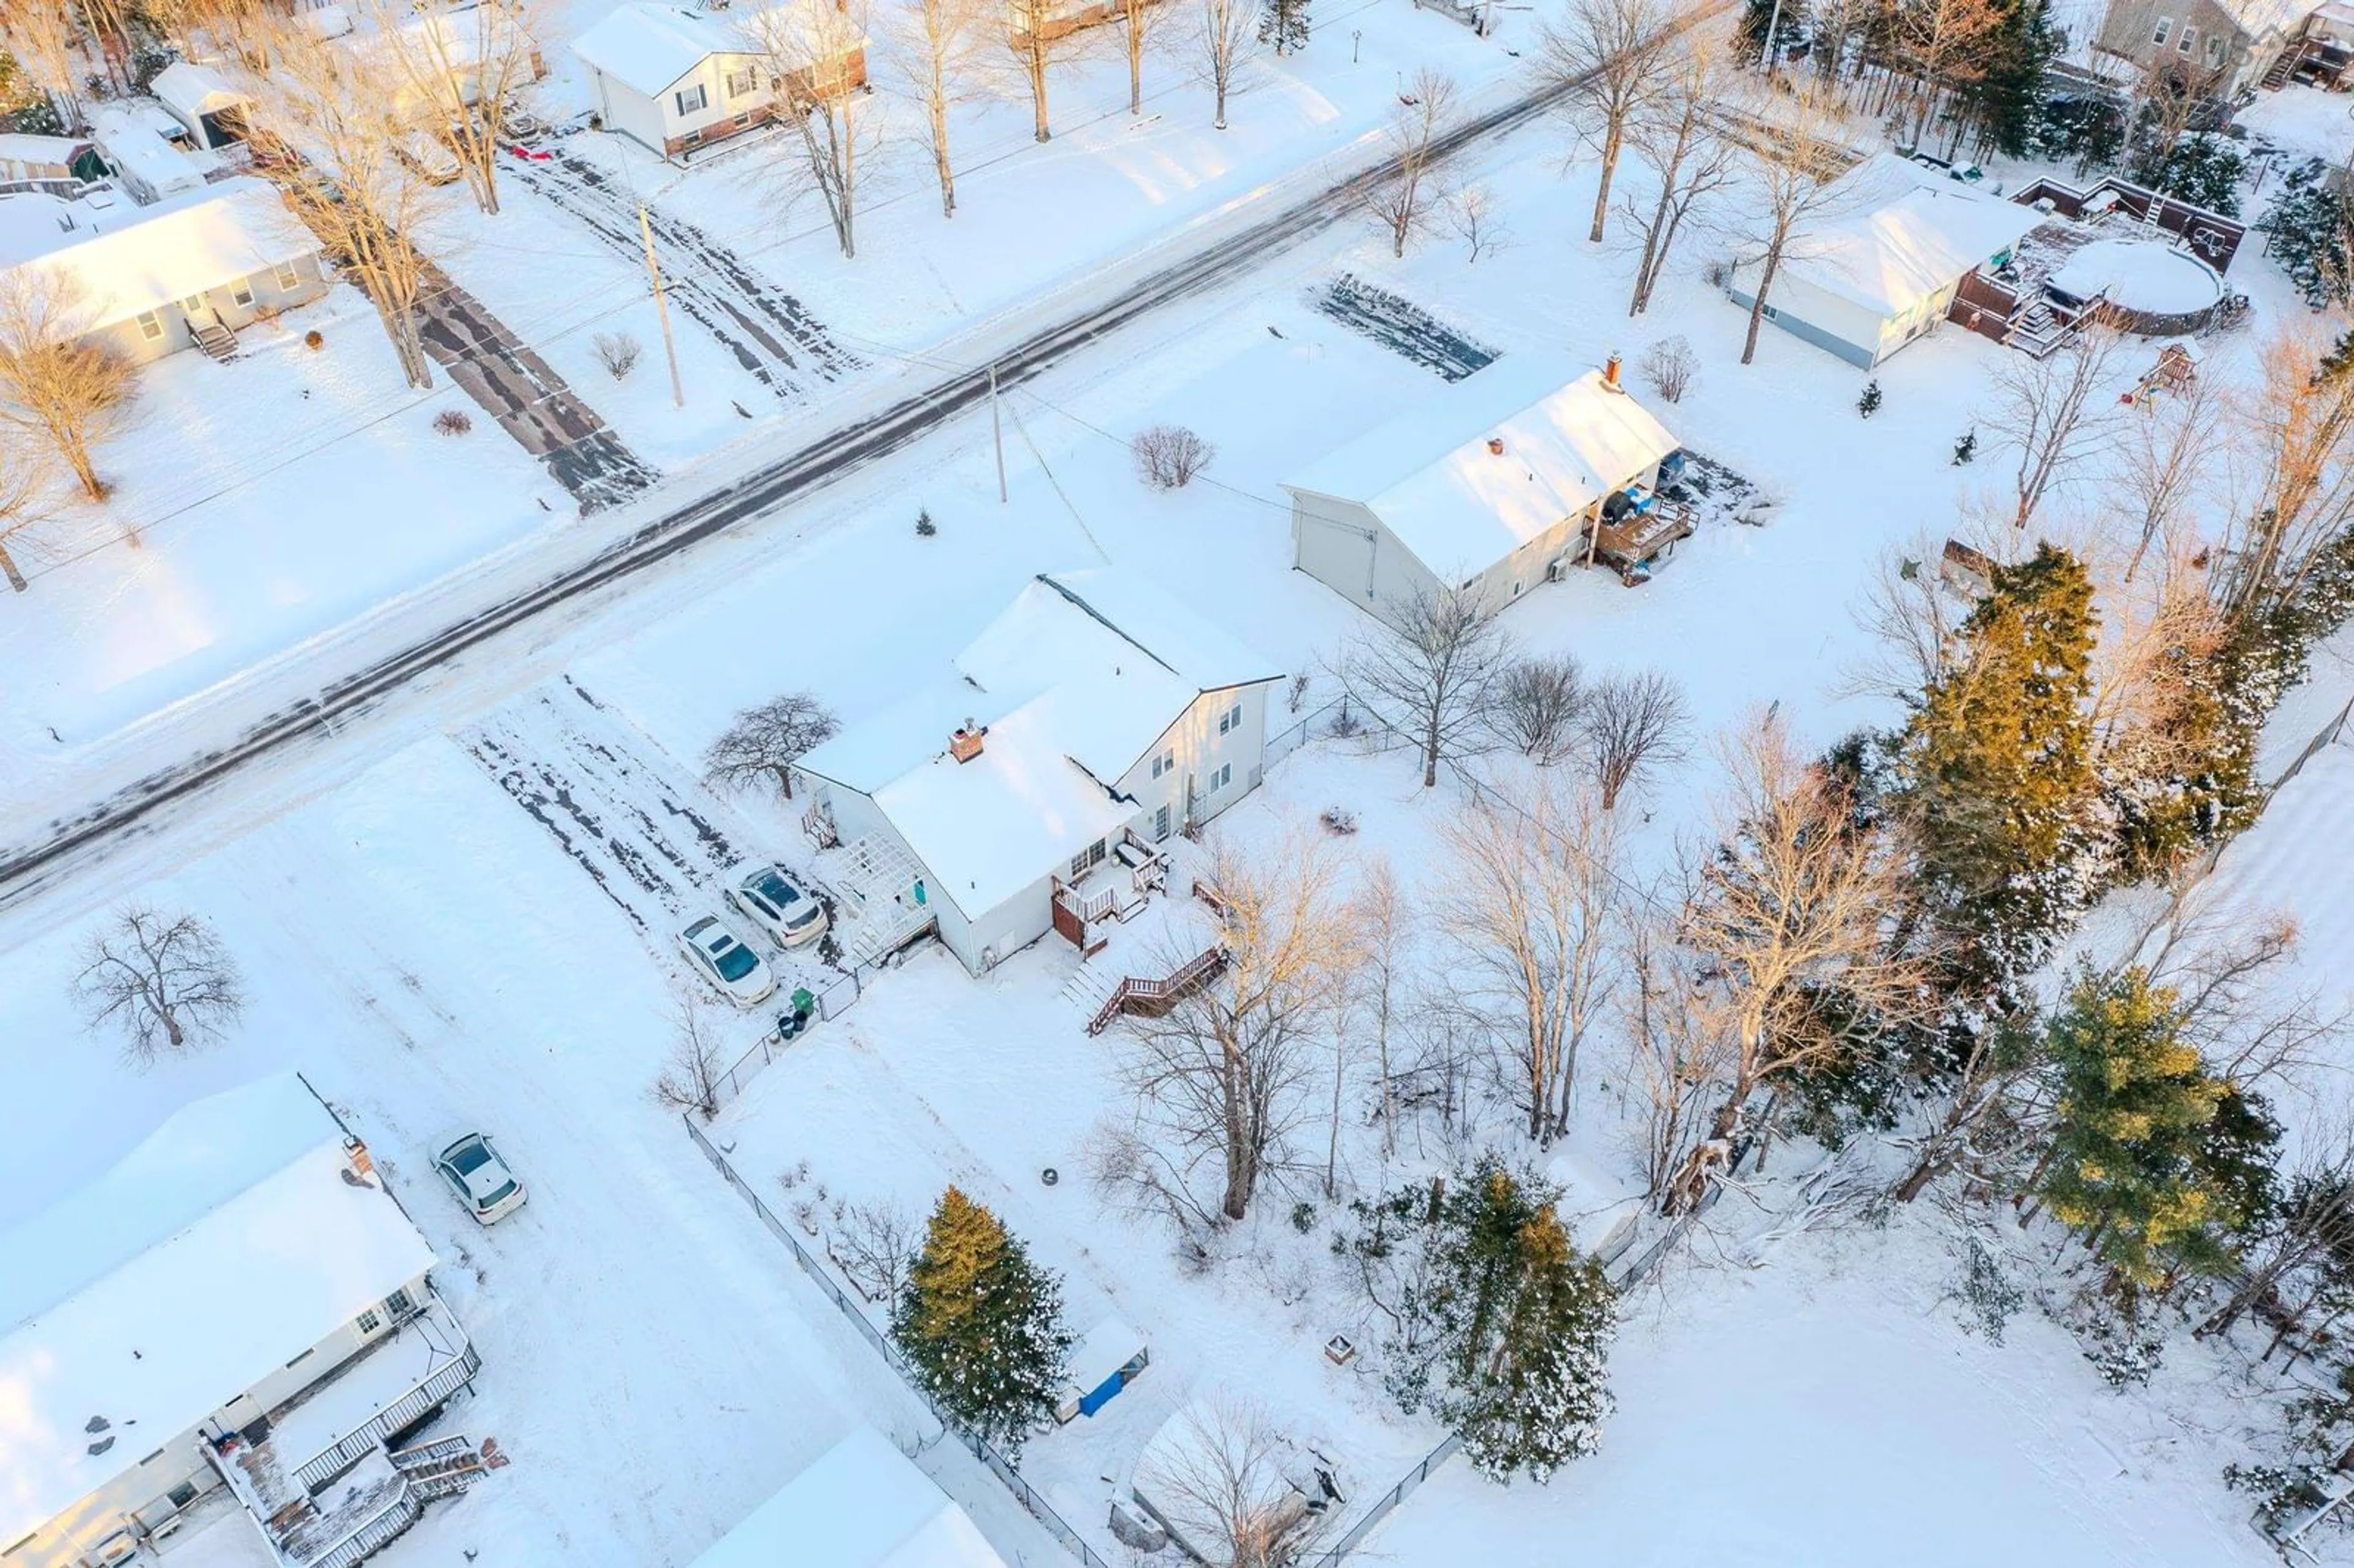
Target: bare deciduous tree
point(2298, 425)
point(1538, 706)
point(1399, 193)
point(56, 381)
point(1676, 132)
point(1386, 935)
point(351, 183)
point(1431, 674)
point(1227, 34)
point(1944, 46)
point(1532, 906)
point(938, 42)
point(1475, 215)
point(165, 980)
point(617, 352)
point(1169, 456)
point(1789, 917)
point(1604, 56)
point(764, 742)
point(693, 1073)
point(1141, 22)
point(1675, 1053)
point(803, 49)
point(1669, 366)
point(40, 36)
point(20, 490)
point(1632, 723)
point(874, 1245)
point(2160, 469)
point(1040, 33)
point(1223, 1482)
point(1799, 152)
point(1226, 1075)
point(459, 69)
point(2055, 413)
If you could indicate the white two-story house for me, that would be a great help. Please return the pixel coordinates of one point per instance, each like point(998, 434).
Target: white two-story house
point(238, 1302)
point(677, 79)
point(1090, 721)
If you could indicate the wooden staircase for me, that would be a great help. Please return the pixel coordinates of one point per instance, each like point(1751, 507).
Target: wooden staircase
point(2284, 67)
point(440, 1468)
point(1154, 996)
point(213, 339)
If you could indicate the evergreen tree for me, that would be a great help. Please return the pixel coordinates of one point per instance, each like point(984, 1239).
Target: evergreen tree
point(1515, 1323)
point(2186, 780)
point(1867, 404)
point(2129, 1166)
point(982, 1326)
point(2306, 229)
point(2007, 100)
point(2205, 169)
point(1790, 31)
point(1284, 24)
point(1995, 774)
point(2085, 128)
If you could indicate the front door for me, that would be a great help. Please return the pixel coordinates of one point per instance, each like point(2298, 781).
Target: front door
point(200, 315)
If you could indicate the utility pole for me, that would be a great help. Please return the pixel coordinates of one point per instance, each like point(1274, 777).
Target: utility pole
point(997, 432)
point(661, 307)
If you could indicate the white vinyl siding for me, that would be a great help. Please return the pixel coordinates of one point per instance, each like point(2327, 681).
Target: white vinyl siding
point(691, 100)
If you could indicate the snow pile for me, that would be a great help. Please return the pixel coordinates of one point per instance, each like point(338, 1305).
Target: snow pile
point(2140, 275)
point(863, 1505)
point(1434, 476)
point(227, 1243)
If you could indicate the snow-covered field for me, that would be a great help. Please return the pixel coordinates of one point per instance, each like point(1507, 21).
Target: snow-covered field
point(435, 960)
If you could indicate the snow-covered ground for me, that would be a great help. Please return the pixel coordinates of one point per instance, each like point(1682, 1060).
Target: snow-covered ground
point(436, 961)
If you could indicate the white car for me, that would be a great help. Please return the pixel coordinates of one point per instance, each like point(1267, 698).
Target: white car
point(723, 959)
point(773, 901)
point(480, 1179)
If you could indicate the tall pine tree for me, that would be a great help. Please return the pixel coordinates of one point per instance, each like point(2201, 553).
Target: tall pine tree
point(981, 1325)
point(1518, 1323)
point(1995, 775)
point(1284, 24)
point(2134, 1166)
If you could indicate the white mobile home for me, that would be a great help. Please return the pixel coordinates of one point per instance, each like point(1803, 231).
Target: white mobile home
point(676, 80)
point(161, 1331)
point(1881, 268)
point(186, 273)
point(1090, 721)
point(863, 1504)
point(214, 113)
point(147, 148)
point(1483, 488)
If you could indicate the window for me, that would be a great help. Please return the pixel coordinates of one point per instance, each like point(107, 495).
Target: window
point(1086, 860)
point(193, 303)
point(2164, 31)
point(287, 276)
point(1160, 823)
point(182, 1495)
point(739, 82)
point(1232, 719)
point(370, 1322)
point(151, 325)
point(1164, 763)
point(2190, 36)
point(2214, 51)
point(399, 1304)
point(691, 100)
point(242, 295)
point(1221, 776)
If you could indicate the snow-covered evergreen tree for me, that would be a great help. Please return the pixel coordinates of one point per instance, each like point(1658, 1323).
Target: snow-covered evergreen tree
point(981, 1325)
point(1284, 24)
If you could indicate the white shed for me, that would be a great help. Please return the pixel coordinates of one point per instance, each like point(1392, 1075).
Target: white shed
point(1881, 268)
point(1482, 488)
point(863, 1504)
point(201, 99)
point(1093, 719)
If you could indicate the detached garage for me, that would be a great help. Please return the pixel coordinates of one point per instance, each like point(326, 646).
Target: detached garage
point(863, 1505)
point(1490, 486)
point(1883, 266)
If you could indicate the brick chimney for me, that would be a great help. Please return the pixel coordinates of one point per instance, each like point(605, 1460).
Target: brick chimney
point(965, 744)
point(1610, 374)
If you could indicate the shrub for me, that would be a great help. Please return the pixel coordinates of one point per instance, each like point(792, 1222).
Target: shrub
point(1669, 366)
point(315, 339)
point(617, 352)
point(925, 526)
point(1169, 456)
point(453, 422)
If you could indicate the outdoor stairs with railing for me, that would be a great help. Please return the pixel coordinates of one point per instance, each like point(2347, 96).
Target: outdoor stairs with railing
point(1088, 986)
point(404, 1411)
point(881, 877)
point(2036, 331)
point(1153, 997)
point(440, 1468)
point(2284, 67)
point(215, 339)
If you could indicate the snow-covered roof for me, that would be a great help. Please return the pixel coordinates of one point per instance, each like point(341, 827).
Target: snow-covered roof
point(1460, 507)
point(1102, 1350)
point(646, 46)
point(2258, 17)
point(178, 249)
point(16, 147)
point(135, 144)
point(1075, 681)
point(32, 224)
point(1899, 233)
point(219, 1249)
point(193, 92)
point(861, 1505)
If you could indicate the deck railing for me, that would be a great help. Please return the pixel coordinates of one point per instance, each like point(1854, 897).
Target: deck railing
point(429, 1392)
point(1135, 992)
point(374, 1533)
